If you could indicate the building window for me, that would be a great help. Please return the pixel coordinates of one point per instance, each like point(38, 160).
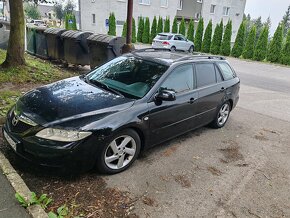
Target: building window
point(199, 1)
point(179, 6)
point(120, 22)
point(226, 11)
point(94, 18)
point(164, 3)
point(144, 2)
point(212, 9)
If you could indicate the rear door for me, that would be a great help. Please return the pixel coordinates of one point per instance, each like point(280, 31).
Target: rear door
point(211, 91)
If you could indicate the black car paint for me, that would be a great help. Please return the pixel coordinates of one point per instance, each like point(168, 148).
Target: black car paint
point(73, 103)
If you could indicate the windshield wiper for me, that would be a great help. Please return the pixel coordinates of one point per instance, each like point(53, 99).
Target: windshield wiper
point(104, 86)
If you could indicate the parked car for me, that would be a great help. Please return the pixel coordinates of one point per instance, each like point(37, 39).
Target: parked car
point(108, 116)
point(173, 42)
point(40, 23)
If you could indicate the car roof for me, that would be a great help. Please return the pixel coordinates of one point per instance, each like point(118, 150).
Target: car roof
point(167, 57)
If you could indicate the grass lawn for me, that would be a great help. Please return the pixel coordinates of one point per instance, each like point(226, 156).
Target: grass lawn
point(15, 81)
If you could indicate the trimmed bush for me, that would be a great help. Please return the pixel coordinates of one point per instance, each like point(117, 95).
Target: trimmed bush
point(133, 31)
point(112, 25)
point(239, 42)
point(217, 38)
point(124, 31)
point(146, 32)
point(167, 25)
point(153, 29)
point(275, 46)
point(262, 44)
point(182, 27)
point(160, 25)
point(226, 42)
point(205, 47)
point(174, 26)
point(250, 44)
point(198, 35)
point(140, 29)
point(285, 55)
point(190, 31)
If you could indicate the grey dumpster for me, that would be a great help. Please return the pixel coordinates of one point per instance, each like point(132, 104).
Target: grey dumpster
point(40, 43)
point(55, 43)
point(76, 50)
point(104, 48)
point(30, 39)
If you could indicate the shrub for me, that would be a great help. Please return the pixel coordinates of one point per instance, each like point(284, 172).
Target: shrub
point(167, 25)
point(174, 26)
point(285, 55)
point(133, 31)
point(261, 47)
point(275, 46)
point(112, 25)
point(124, 32)
point(198, 35)
point(250, 44)
point(205, 47)
point(190, 31)
point(140, 29)
point(239, 42)
point(160, 25)
point(217, 38)
point(153, 29)
point(146, 32)
point(226, 42)
point(182, 27)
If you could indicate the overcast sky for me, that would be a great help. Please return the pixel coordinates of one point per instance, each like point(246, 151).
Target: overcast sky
point(273, 8)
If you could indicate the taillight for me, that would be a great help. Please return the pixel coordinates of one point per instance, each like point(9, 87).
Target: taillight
point(165, 43)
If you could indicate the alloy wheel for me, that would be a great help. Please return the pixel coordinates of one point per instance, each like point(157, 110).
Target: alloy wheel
point(223, 114)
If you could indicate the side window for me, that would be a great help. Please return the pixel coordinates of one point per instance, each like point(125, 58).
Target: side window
point(226, 71)
point(205, 74)
point(180, 79)
point(218, 75)
point(175, 37)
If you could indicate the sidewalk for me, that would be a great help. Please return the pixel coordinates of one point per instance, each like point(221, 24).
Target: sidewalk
point(9, 206)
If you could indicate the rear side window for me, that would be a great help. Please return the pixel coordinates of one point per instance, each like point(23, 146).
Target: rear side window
point(226, 71)
point(163, 37)
point(205, 74)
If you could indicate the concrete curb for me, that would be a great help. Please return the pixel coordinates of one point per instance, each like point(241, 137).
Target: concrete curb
point(19, 186)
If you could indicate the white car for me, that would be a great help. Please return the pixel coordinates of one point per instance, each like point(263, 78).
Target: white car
point(173, 42)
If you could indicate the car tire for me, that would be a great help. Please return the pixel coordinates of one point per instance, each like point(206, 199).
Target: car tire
point(191, 49)
point(222, 116)
point(113, 157)
point(173, 48)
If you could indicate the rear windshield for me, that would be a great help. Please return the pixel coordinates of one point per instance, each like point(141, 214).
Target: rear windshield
point(163, 37)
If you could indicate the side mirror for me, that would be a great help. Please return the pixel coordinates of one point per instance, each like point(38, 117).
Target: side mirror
point(165, 95)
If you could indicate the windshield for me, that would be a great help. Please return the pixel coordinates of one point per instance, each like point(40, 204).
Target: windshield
point(129, 75)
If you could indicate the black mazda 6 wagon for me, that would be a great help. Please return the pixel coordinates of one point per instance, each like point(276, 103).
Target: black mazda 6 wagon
point(105, 118)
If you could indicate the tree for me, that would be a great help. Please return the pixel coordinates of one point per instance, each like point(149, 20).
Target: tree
point(167, 25)
point(261, 47)
point(198, 35)
point(239, 42)
point(226, 42)
point(59, 12)
point(275, 46)
point(146, 32)
point(248, 24)
point(217, 38)
point(153, 29)
point(286, 21)
point(31, 11)
point(285, 55)
point(160, 25)
point(69, 7)
point(182, 27)
point(112, 25)
point(259, 26)
point(133, 30)
point(124, 31)
point(205, 47)
point(190, 31)
point(15, 49)
point(250, 44)
point(140, 29)
point(174, 26)
point(268, 22)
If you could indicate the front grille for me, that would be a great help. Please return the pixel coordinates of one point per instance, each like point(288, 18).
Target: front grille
point(20, 127)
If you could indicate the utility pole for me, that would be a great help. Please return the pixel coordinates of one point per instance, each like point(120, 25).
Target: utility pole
point(128, 47)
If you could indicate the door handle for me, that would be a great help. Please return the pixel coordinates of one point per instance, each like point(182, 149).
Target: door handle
point(191, 100)
point(222, 89)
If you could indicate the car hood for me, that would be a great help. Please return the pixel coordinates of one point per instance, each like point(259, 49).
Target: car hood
point(68, 99)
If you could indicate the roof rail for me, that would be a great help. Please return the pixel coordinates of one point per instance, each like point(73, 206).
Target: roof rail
point(201, 56)
point(156, 49)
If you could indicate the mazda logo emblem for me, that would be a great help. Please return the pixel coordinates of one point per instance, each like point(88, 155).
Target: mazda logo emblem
point(15, 120)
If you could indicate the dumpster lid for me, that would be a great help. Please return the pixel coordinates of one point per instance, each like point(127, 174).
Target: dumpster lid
point(103, 38)
point(40, 29)
point(74, 34)
point(54, 31)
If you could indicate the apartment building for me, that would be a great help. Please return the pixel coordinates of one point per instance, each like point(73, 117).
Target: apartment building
point(95, 13)
point(189, 9)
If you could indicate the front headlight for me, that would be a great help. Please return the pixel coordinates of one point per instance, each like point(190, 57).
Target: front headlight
point(62, 135)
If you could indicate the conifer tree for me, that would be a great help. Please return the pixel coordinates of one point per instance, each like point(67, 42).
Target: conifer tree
point(262, 45)
point(226, 42)
point(275, 46)
point(167, 25)
point(205, 47)
point(190, 31)
point(133, 31)
point(146, 32)
point(285, 55)
point(217, 38)
point(153, 29)
point(250, 44)
point(182, 27)
point(124, 31)
point(239, 42)
point(198, 35)
point(112, 25)
point(140, 29)
point(160, 25)
point(174, 26)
